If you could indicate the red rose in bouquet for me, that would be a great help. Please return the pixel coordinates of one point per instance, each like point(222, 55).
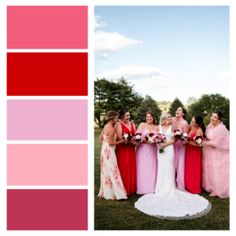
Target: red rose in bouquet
point(127, 137)
point(160, 138)
point(185, 137)
point(198, 139)
point(177, 134)
point(150, 138)
point(137, 137)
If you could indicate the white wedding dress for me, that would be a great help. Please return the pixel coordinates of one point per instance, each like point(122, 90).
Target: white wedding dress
point(167, 201)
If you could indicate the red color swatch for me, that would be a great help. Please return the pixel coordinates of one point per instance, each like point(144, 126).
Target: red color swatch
point(47, 74)
point(47, 209)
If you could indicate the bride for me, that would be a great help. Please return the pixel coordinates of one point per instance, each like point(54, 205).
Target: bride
point(168, 202)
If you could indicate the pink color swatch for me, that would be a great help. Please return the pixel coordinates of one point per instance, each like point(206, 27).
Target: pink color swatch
point(47, 119)
point(47, 27)
point(47, 164)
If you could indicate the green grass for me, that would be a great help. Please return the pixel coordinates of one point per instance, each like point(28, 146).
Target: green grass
point(121, 215)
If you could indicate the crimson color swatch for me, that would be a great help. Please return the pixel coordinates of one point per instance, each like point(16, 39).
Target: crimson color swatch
point(47, 74)
point(47, 209)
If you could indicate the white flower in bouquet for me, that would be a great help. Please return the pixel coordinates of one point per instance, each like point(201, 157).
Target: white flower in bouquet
point(137, 137)
point(198, 139)
point(185, 136)
point(177, 134)
point(150, 138)
point(125, 136)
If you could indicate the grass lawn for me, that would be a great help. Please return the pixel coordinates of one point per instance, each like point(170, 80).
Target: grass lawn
point(121, 215)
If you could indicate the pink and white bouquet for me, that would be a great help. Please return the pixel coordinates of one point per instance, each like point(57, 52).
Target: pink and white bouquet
point(150, 138)
point(160, 138)
point(177, 134)
point(127, 137)
point(185, 137)
point(198, 139)
point(137, 137)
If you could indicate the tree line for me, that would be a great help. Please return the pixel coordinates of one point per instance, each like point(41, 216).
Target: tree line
point(110, 95)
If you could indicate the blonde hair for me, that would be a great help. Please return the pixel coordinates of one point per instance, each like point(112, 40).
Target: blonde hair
point(164, 116)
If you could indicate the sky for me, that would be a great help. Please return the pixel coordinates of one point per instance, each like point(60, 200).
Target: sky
point(164, 51)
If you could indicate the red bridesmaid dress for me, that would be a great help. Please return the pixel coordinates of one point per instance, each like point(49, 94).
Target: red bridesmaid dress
point(126, 159)
point(193, 166)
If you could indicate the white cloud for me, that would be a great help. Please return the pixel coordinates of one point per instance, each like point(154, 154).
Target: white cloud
point(132, 72)
point(110, 42)
point(107, 42)
point(145, 79)
point(99, 23)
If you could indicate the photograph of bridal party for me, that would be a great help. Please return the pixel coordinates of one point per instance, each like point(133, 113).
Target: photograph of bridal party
point(161, 118)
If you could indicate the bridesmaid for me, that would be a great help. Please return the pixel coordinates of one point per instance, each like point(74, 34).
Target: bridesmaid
point(179, 122)
point(111, 186)
point(216, 158)
point(147, 157)
point(193, 157)
point(125, 152)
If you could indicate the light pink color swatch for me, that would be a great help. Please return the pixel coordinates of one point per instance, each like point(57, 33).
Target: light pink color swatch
point(47, 27)
point(47, 164)
point(47, 119)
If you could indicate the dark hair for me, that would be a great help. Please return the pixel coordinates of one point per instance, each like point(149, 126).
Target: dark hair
point(111, 115)
point(184, 111)
point(199, 121)
point(122, 112)
point(153, 116)
point(219, 114)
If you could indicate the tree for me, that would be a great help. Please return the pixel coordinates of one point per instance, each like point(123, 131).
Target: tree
point(174, 105)
point(208, 104)
point(110, 95)
point(148, 104)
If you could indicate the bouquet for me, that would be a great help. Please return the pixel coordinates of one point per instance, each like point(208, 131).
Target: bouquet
point(160, 138)
point(137, 137)
point(185, 137)
point(127, 137)
point(177, 134)
point(150, 138)
point(198, 139)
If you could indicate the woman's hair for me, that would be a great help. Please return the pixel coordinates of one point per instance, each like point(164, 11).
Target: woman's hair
point(184, 111)
point(199, 121)
point(153, 116)
point(122, 112)
point(111, 115)
point(164, 116)
point(219, 114)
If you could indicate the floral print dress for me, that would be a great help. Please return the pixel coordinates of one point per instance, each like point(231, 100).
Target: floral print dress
point(111, 185)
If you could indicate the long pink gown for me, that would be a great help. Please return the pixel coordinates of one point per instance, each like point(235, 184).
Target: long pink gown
point(146, 159)
point(216, 161)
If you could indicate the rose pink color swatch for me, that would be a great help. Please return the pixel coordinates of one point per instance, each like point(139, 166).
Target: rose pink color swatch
point(47, 27)
point(47, 119)
point(47, 209)
point(47, 164)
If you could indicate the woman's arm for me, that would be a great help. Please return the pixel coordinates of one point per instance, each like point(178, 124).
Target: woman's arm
point(118, 130)
point(163, 145)
point(111, 138)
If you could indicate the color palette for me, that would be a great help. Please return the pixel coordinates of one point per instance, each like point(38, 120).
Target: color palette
point(45, 209)
point(47, 120)
point(47, 164)
point(47, 27)
point(47, 74)
point(47, 139)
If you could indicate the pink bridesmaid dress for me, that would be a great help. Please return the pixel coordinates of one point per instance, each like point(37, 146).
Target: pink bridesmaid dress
point(146, 158)
point(216, 161)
